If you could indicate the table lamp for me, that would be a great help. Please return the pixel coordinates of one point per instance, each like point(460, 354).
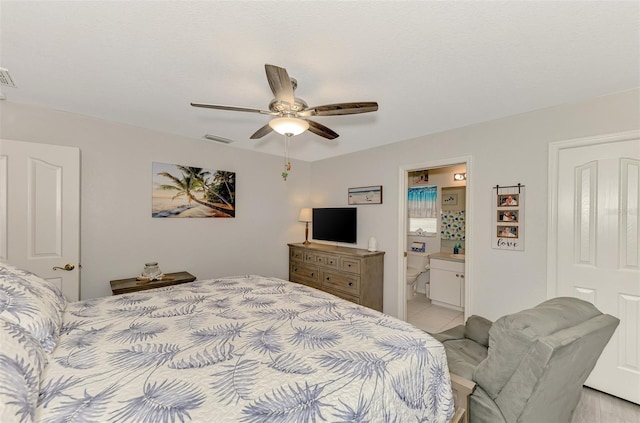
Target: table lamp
point(305, 216)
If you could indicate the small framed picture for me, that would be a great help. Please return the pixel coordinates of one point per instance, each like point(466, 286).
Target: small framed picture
point(450, 199)
point(366, 195)
point(507, 232)
point(507, 216)
point(420, 177)
point(508, 200)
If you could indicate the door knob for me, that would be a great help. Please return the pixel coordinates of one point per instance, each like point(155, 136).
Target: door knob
point(68, 267)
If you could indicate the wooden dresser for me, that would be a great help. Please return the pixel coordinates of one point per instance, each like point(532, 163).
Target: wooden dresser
point(350, 273)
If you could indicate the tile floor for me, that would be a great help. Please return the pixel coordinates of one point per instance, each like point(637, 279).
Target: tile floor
point(431, 318)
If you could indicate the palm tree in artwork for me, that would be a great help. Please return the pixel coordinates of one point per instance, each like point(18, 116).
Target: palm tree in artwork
point(223, 187)
point(193, 181)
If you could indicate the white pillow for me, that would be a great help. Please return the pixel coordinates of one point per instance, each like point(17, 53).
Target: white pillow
point(33, 303)
point(22, 362)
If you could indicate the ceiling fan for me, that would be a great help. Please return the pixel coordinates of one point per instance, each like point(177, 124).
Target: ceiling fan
point(292, 113)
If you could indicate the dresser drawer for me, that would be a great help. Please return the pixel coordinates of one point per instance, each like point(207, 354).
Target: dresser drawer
point(296, 254)
point(325, 260)
point(351, 265)
point(301, 273)
point(343, 295)
point(341, 282)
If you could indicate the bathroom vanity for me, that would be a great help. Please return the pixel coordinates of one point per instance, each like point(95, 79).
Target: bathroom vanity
point(447, 280)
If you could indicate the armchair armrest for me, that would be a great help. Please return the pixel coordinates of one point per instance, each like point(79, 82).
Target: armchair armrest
point(477, 329)
point(462, 389)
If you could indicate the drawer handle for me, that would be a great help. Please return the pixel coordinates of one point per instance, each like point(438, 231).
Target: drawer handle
point(350, 283)
point(295, 269)
point(328, 278)
point(348, 265)
point(311, 273)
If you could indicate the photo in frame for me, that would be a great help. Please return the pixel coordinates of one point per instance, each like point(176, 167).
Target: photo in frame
point(507, 215)
point(507, 232)
point(365, 195)
point(508, 200)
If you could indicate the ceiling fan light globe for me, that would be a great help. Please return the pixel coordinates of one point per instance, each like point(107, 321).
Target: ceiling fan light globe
point(289, 126)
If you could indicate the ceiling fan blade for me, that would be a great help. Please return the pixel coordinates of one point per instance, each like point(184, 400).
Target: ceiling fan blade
point(233, 108)
point(340, 109)
point(280, 83)
point(321, 130)
point(261, 132)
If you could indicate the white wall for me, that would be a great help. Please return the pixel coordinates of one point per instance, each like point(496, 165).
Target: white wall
point(505, 152)
point(118, 234)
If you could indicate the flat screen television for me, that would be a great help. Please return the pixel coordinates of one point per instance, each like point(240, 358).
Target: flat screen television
point(337, 224)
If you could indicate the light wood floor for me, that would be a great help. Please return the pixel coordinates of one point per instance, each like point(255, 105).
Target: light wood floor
point(598, 407)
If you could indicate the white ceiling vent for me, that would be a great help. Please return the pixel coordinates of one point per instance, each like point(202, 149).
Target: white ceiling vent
point(218, 139)
point(5, 78)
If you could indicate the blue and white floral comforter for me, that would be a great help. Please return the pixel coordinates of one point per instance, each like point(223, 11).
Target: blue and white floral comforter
point(241, 349)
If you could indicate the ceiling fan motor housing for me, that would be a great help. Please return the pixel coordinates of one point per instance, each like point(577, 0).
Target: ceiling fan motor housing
point(285, 109)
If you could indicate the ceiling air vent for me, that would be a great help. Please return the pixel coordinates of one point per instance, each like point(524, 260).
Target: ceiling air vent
point(5, 78)
point(218, 139)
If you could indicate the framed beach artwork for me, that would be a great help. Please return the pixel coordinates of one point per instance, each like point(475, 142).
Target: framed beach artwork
point(185, 191)
point(365, 195)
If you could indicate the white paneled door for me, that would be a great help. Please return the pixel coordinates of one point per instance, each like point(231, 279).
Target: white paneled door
point(40, 211)
point(596, 256)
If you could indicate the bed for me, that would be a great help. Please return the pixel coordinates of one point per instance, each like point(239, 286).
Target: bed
point(236, 349)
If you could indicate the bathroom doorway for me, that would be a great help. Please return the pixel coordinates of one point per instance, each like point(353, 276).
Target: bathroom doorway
point(437, 234)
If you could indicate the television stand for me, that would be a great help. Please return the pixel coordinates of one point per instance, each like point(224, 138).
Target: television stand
point(353, 274)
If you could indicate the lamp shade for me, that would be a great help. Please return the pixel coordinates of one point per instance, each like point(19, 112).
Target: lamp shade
point(305, 215)
point(289, 126)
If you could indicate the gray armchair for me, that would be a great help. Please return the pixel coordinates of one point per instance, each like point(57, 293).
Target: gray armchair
point(527, 367)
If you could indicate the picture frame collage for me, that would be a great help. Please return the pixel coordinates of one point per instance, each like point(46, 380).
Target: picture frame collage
point(509, 218)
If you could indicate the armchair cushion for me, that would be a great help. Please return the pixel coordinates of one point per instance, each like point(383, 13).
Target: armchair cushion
point(466, 345)
point(450, 334)
point(463, 356)
point(483, 409)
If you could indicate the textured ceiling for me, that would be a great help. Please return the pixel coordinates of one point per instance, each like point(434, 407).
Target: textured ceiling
point(430, 65)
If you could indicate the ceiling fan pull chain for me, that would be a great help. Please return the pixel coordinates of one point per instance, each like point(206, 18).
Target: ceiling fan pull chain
point(287, 163)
